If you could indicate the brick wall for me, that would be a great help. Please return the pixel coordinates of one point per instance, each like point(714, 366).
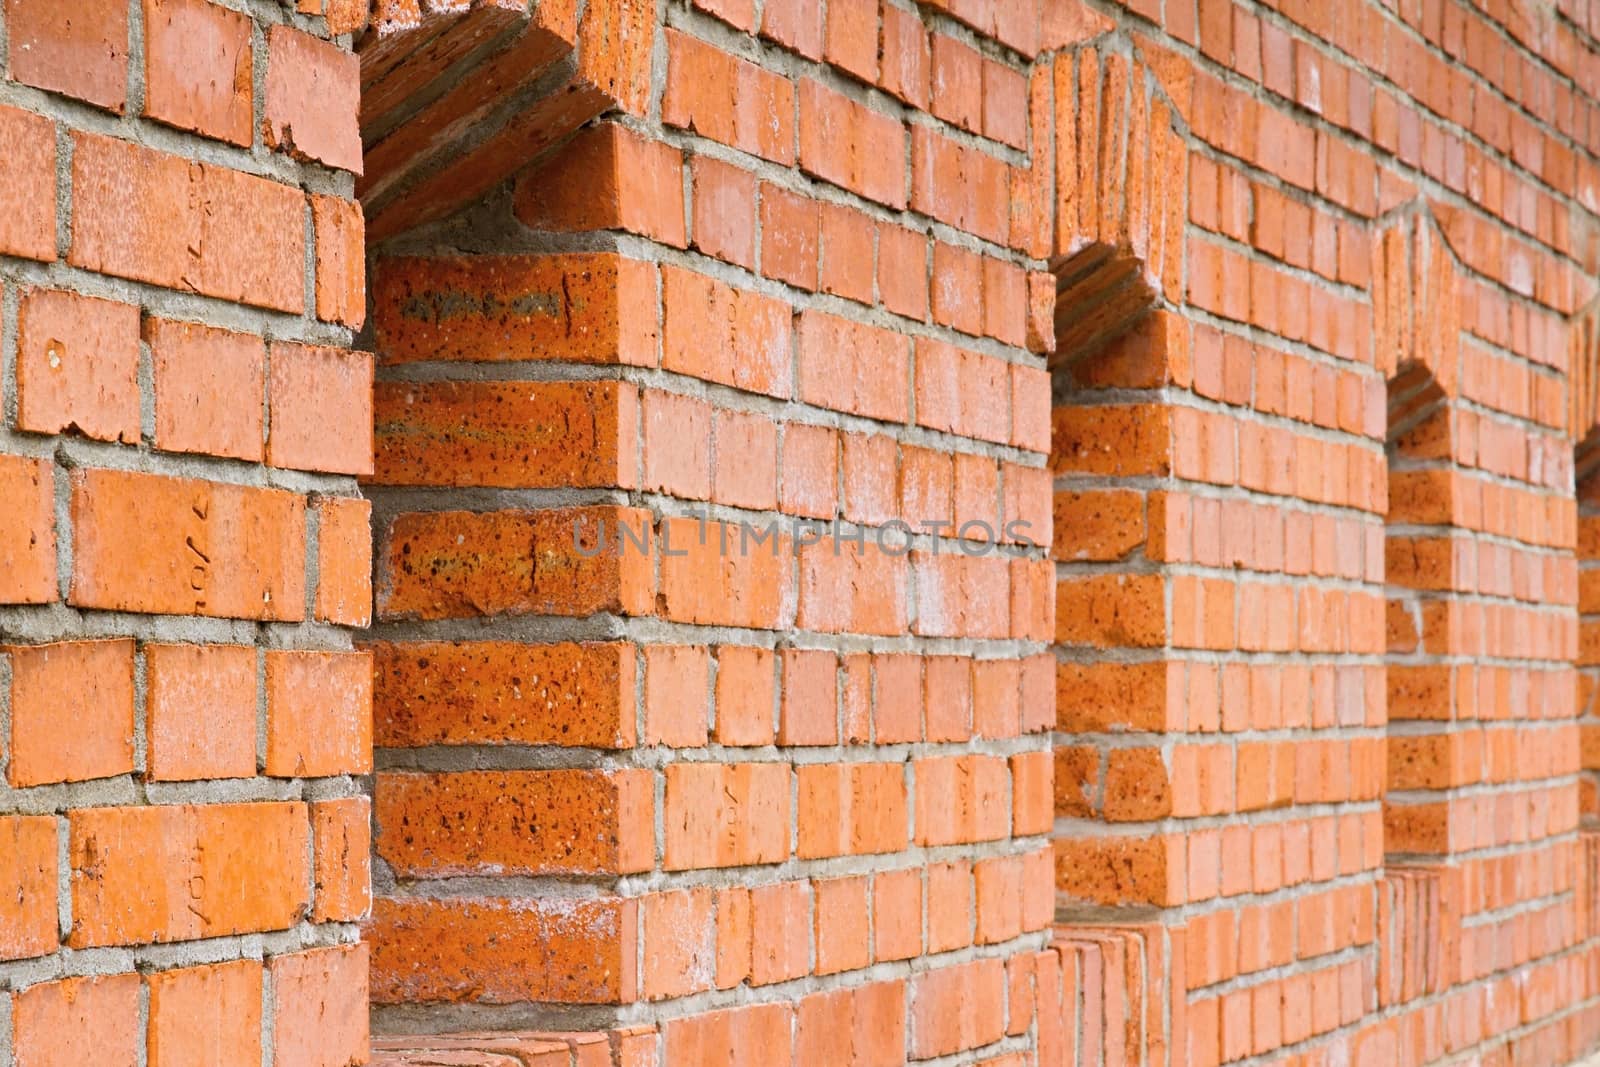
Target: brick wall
point(1220, 375)
point(183, 550)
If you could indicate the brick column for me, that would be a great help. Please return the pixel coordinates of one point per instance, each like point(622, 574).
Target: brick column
point(182, 550)
point(773, 798)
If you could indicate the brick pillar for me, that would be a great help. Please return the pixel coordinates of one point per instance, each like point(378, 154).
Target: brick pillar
point(182, 550)
point(770, 799)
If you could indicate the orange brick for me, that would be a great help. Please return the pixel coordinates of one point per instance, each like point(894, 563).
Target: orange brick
point(200, 711)
point(181, 872)
point(210, 386)
point(341, 840)
point(344, 560)
point(727, 99)
point(607, 178)
point(725, 335)
point(319, 714)
point(507, 434)
point(679, 954)
point(580, 308)
point(86, 683)
point(780, 932)
point(207, 90)
point(724, 211)
point(205, 1016)
point(475, 822)
point(78, 366)
point(479, 948)
point(842, 943)
point(460, 564)
point(852, 145)
point(313, 90)
point(217, 231)
point(28, 887)
point(27, 532)
point(82, 52)
point(320, 1002)
point(27, 197)
point(320, 407)
point(341, 247)
point(454, 693)
point(77, 1021)
point(726, 815)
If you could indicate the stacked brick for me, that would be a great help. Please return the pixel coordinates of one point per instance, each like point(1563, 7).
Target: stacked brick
point(777, 797)
point(183, 835)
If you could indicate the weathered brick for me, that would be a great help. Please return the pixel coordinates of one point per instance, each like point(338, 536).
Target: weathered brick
point(473, 822)
point(28, 887)
point(313, 88)
point(481, 949)
point(507, 434)
point(200, 711)
point(320, 405)
point(198, 72)
point(241, 553)
point(205, 1016)
point(86, 683)
point(852, 145)
point(196, 227)
point(341, 841)
point(78, 1020)
point(340, 242)
point(439, 693)
point(27, 532)
point(210, 389)
point(78, 366)
point(319, 713)
point(81, 51)
point(580, 308)
point(27, 196)
point(319, 998)
point(180, 872)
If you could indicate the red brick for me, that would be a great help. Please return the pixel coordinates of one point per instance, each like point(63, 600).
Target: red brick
point(677, 686)
point(86, 683)
point(341, 840)
point(579, 308)
point(198, 72)
point(205, 1016)
point(780, 932)
point(727, 99)
point(810, 475)
point(200, 711)
point(28, 920)
point(441, 693)
point(319, 714)
point(341, 248)
point(511, 435)
point(320, 407)
point(795, 24)
point(27, 196)
point(850, 38)
point(789, 241)
point(726, 815)
point(27, 532)
point(756, 1033)
point(181, 872)
point(904, 56)
point(313, 91)
point(196, 227)
point(842, 942)
point(78, 366)
point(242, 553)
point(77, 1021)
point(679, 953)
point(607, 178)
point(476, 822)
point(852, 145)
point(956, 1008)
point(81, 51)
point(320, 1002)
point(721, 334)
point(745, 471)
point(724, 211)
point(344, 561)
point(487, 948)
point(210, 388)
point(957, 87)
point(746, 691)
point(903, 271)
point(847, 255)
point(852, 367)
